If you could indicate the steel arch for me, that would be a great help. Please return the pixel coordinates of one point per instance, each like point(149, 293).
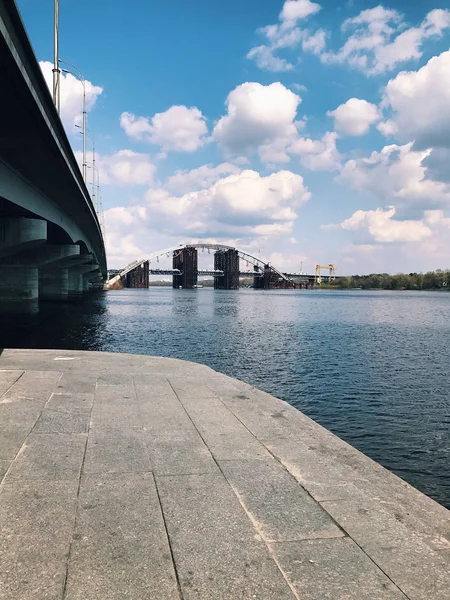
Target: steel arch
point(255, 261)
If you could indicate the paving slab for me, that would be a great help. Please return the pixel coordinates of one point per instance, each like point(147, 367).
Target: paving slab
point(7, 379)
point(281, 509)
point(224, 434)
point(12, 439)
point(116, 451)
point(217, 551)
point(418, 570)
point(120, 547)
point(334, 569)
point(49, 456)
point(21, 405)
point(249, 491)
point(4, 466)
point(36, 527)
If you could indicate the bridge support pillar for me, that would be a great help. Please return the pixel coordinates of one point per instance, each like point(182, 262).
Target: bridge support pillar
point(19, 234)
point(18, 283)
point(74, 284)
point(186, 260)
point(258, 281)
point(138, 277)
point(53, 283)
point(228, 262)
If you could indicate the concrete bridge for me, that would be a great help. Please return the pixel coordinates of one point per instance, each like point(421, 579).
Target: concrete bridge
point(51, 244)
point(185, 271)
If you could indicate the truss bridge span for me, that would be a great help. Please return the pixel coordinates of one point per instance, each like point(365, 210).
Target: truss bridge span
point(185, 271)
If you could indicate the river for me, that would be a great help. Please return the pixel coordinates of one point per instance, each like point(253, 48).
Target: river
point(373, 367)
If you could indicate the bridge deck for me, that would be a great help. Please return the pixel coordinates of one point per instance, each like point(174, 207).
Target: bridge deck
point(135, 477)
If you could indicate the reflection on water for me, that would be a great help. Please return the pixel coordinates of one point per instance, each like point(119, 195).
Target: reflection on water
point(370, 366)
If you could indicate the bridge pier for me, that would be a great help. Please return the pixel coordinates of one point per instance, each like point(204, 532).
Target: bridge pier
point(138, 277)
point(228, 262)
point(186, 261)
point(54, 283)
point(18, 283)
point(33, 269)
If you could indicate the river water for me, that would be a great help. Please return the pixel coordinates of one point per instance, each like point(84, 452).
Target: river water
point(373, 367)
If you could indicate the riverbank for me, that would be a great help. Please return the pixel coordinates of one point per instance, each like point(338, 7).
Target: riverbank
point(135, 476)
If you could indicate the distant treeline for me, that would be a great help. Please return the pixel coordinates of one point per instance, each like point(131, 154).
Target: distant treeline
point(434, 280)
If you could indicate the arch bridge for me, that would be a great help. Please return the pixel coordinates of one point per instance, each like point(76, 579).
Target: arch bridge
point(185, 271)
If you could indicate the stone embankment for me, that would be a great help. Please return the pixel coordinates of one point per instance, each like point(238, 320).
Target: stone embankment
point(136, 477)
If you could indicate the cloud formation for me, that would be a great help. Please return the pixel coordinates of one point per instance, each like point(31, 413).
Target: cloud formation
point(123, 168)
point(396, 175)
point(287, 34)
point(419, 104)
point(379, 39)
point(179, 129)
point(380, 226)
point(354, 117)
point(244, 207)
point(71, 90)
point(259, 118)
point(318, 155)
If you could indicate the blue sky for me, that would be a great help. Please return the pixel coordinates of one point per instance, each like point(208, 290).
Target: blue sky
point(305, 132)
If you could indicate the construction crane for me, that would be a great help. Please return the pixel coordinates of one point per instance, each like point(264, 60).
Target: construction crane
point(332, 271)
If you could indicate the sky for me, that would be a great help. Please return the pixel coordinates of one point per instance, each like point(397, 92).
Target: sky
point(300, 132)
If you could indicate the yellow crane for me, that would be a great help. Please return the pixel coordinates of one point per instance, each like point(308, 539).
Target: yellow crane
point(332, 271)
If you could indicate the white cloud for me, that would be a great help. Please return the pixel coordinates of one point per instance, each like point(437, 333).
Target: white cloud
point(420, 103)
point(380, 39)
point(354, 117)
point(315, 43)
point(199, 178)
point(179, 128)
point(397, 176)
point(124, 168)
point(71, 92)
point(380, 226)
point(121, 224)
point(387, 127)
point(287, 34)
point(318, 155)
point(265, 59)
point(243, 207)
point(258, 118)
point(294, 10)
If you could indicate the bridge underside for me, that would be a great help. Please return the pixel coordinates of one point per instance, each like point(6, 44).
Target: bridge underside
point(51, 245)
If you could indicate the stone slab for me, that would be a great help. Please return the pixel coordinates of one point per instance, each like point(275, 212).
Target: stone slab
point(11, 440)
point(184, 418)
point(217, 551)
point(120, 548)
point(172, 455)
point(36, 526)
point(281, 509)
point(81, 383)
point(334, 570)
point(4, 466)
point(116, 451)
point(420, 572)
point(66, 402)
point(49, 456)
point(21, 405)
point(224, 435)
point(7, 379)
point(63, 421)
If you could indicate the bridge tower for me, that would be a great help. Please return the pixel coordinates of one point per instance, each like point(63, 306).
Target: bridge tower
point(138, 277)
point(258, 281)
point(186, 260)
point(228, 262)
